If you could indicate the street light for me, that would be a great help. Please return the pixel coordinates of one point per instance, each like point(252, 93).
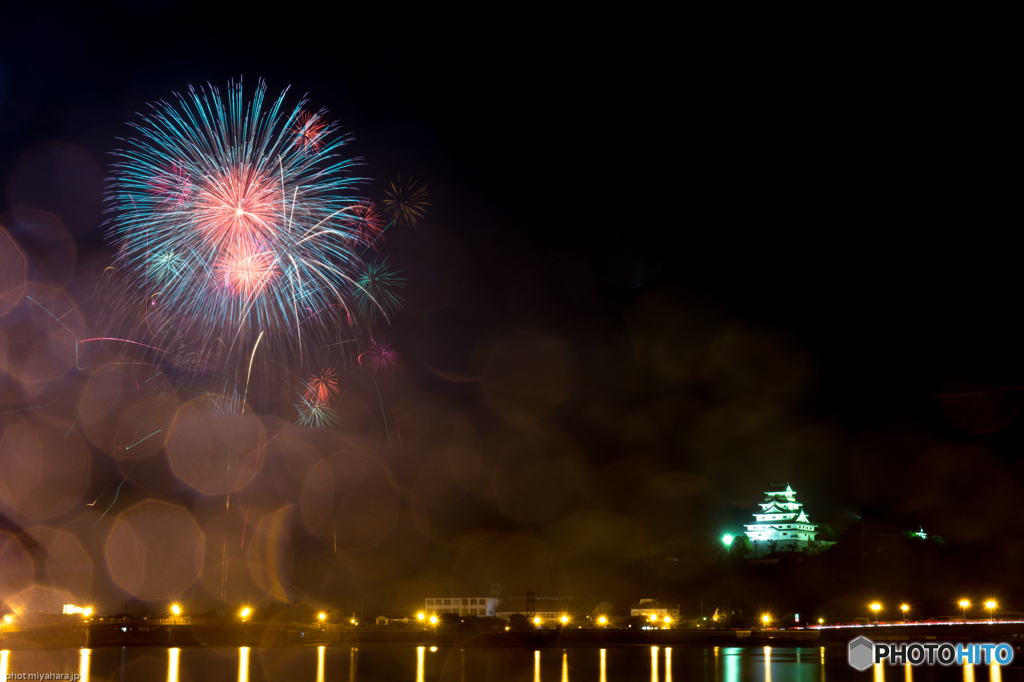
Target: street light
point(536, 620)
point(668, 620)
point(766, 619)
point(602, 620)
point(433, 620)
point(821, 621)
point(876, 607)
point(990, 604)
point(176, 610)
point(904, 608)
point(564, 619)
point(963, 605)
point(421, 616)
point(245, 612)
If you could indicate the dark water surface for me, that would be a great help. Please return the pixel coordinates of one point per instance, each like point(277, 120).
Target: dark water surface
point(430, 664)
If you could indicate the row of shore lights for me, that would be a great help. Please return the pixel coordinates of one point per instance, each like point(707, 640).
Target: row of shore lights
point(247, 611)
point(564, 620)
point(963, 604)
point(876, 607)
point(602, 620)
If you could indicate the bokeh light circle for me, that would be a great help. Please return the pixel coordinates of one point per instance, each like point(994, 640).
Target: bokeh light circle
point(154, 550)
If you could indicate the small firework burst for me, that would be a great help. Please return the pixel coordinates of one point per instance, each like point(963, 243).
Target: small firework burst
point(366, 223)
point(322, 387)
point(166, 266)
point(377, 286)
point(309, 129)
point(316, 415)
point(406, 202)
point(380, 358)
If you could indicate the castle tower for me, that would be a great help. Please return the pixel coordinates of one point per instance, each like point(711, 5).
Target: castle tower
point(781, 520)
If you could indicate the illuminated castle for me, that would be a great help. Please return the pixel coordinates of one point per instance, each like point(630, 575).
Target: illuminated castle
point(781, 521)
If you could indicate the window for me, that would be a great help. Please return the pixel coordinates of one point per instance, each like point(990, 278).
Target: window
point(472, 602)
point(447, 602)
point(465, 602)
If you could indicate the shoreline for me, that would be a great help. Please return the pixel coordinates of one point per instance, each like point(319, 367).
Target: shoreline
point(143, 634)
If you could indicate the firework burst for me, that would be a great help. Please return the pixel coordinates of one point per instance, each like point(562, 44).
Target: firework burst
point(380, 358)
point(406, 202)
point(322, 387)
point(309, 129)
point(316, 415)
point(243, 217)
point(366, 221)
point(377, 285)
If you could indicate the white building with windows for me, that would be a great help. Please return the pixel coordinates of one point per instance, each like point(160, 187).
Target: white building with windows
point(463, 606)
point(783, 521)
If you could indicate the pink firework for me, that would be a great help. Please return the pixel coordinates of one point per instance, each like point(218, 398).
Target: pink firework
point(309, 130)
point(238, 205)
point(321, 388)
point(380, 357)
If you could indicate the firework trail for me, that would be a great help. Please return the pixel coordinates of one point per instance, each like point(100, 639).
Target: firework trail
point(234, 221)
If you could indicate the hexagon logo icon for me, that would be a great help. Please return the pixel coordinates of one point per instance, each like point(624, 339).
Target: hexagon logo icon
point(862, 652)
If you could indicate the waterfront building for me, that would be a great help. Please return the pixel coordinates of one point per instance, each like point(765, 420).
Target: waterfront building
point(782, 521)
point(654, 607)
point(463, 606)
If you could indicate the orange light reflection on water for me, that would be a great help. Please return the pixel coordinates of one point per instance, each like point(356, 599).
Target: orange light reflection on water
point(243, 664)
point(83, 664)
point(172, 664)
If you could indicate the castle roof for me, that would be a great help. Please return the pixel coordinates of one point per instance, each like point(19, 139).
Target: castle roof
point(766, 507)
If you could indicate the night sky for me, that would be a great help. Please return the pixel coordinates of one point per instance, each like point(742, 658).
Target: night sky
point(659, 272)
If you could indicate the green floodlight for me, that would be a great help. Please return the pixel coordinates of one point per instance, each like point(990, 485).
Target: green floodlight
point(727, 539)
